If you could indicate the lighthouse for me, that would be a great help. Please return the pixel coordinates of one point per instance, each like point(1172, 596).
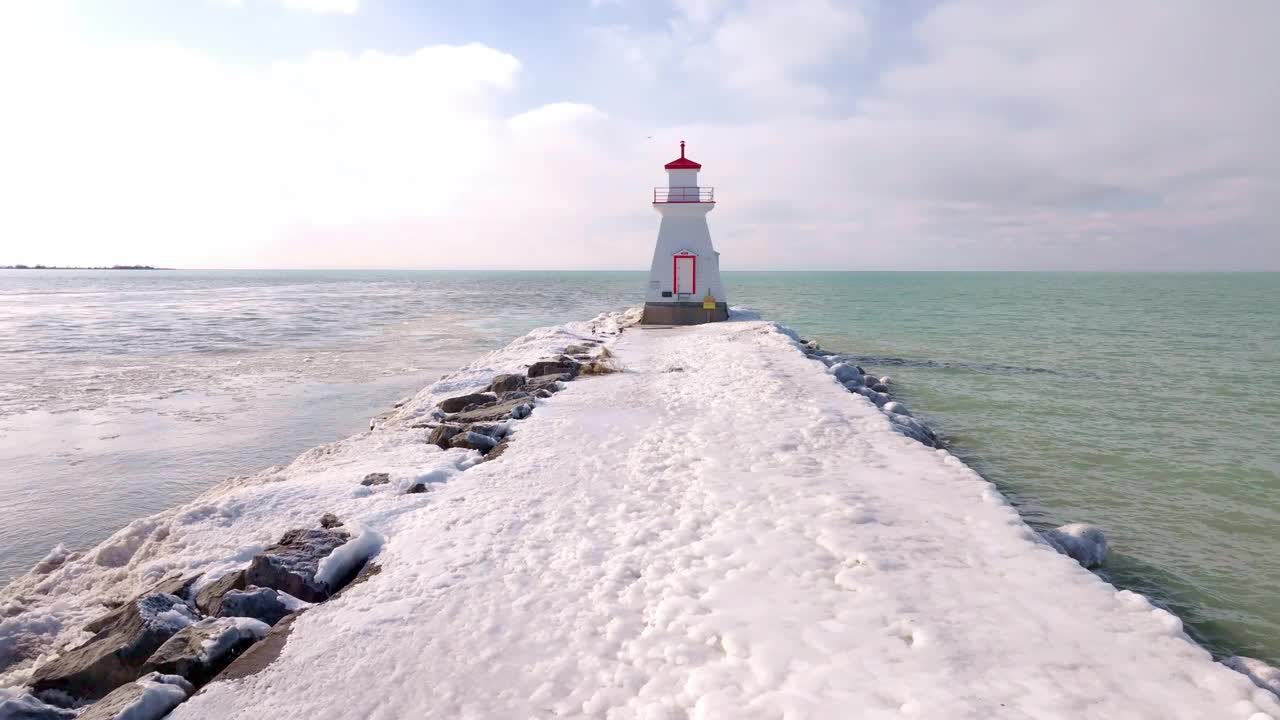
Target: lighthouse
point(684, 279)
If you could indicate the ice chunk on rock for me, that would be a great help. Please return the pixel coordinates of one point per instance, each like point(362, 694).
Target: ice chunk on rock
point(28, 707)
point(125, 638)
point(896, 408)
point(200, 651)
point(1262, 674)
point(1084, 543)
point(262, 604)
point(291, 565)
point(149, 698)
point(847, 374)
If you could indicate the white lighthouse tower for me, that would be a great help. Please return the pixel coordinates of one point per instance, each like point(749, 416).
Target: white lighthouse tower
point(684, 280)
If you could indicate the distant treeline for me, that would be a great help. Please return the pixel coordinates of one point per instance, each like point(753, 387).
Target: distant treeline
point(55, 267)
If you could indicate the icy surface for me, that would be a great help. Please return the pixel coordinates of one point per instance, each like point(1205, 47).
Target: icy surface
point(160, 693)
point(1262, 674)
point(740, 539)
point(229, 632)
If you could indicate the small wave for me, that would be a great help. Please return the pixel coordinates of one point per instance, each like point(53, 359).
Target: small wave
point(986, 368)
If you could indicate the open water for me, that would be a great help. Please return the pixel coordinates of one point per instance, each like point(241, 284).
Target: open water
point(1148, 404)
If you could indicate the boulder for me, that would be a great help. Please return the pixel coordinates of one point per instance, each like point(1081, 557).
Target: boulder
point(914, 429)
point(262, 604)
point(876, 397)
point(442, 434)
point(497, 450)
point(201, 650)
point(896, 407)
point(124, 639)
point(454, 404)
point(521, 411)
point(513, 395)
point(560, 366)
point(290, 565)
point(488, 413)
point(209, 598)
point(29, 707)
point(880, 387)
point(847, 374)
point(148, 698)
point(577, 350)
point(1262, 674)
point(329, 520)
point(262, 654)
point(546, 383)
point(473, 441)
point(1082, 542)
point(886, 380)
point(506, 383)
point(376, 478)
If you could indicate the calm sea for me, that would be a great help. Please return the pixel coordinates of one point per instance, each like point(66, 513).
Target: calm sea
point(1146, 403)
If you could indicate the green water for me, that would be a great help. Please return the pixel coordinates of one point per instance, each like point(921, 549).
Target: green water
point(1148, 404)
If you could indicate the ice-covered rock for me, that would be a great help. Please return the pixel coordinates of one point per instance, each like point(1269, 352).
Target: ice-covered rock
point(1084, 543)
point(25, 706)
point(488, 413)
point(148, 698)
point(896, 407)
point(913, 429)
point(846, 374)
point(521, 411)
point(1263, 675)
point(472, 440)
point(200, 650)
point(376, 478)
point(290, 565)
point(456, 404)
point(262, 604)
point(506, 383)
point(125, 638)
point(545, 385)
point(878, 398)
point(329, 520)
point(209, 598)
point(442, 434)
point(559, 367)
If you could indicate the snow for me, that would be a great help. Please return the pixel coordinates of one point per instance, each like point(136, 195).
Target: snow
point(160, 694)
point(740, 539)
point(343, 562)
point(1262, 674)
point(230, 631)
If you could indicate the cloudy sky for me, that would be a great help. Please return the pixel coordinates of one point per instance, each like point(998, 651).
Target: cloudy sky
point(900, 134)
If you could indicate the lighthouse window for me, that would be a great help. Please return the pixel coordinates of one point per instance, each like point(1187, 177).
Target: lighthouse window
point(666, 293)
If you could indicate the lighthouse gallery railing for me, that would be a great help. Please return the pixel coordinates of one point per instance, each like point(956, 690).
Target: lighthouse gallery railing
point(692, 194)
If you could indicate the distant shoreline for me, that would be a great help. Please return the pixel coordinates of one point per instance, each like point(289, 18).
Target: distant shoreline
point(104, 267)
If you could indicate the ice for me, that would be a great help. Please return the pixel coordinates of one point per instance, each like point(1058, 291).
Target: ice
point(740, 539)
point(347, 558)
point(1085, 543)
point(1262, 674)
point(236, 629)
point(160, 694)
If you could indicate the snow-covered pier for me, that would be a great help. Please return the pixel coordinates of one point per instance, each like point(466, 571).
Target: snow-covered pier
point(713, 527)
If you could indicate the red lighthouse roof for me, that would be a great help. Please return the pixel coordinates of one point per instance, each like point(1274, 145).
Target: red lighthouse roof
point(683, 163)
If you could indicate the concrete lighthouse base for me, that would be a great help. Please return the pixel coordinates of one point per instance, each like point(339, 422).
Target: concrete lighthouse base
point(682, 313)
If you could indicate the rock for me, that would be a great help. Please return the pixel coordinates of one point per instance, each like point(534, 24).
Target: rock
point(416, 489)
point(543, 393)
point(148, 698)
point(29, 707)
point(1262, 674)
point(259, 603)
point(880, 387)
point(262, 654)
point(878, 398)
point(125, 638)
point(376, 478)
point(209, 598)
point(497, 450)
point(488, 413)
point(329, 521)
point(290, 565)
point(560, 366)
point(1084, 543)
point(521, 412)
point(897, 408)
point(548, 383)
point(914, 429)
point(886, 380)
point(454, 404)
point(859, 368)
point(201, 650)
point(473, 441)
point(506, 383)
point(442, 434)
point(512, 395)
point(577, 350)
point(846, 374)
